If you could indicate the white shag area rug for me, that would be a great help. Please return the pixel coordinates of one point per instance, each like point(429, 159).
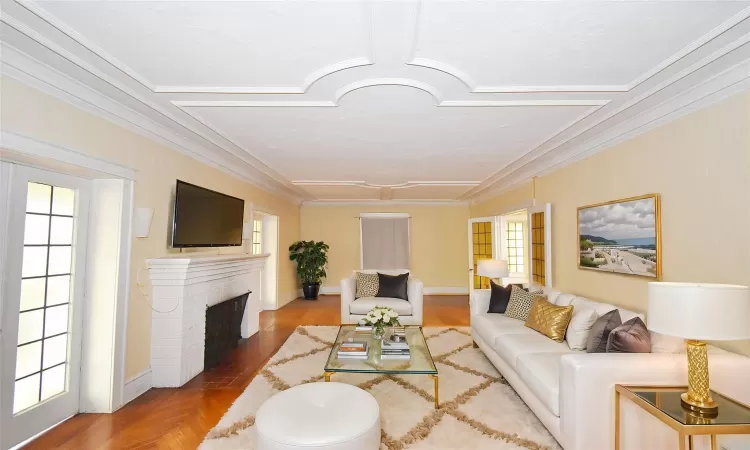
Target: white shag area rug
point(478, 409)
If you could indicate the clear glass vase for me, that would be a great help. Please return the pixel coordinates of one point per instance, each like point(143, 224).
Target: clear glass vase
point(378, 331)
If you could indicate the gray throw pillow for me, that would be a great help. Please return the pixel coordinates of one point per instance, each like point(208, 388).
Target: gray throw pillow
point(600, 331)
point(630, 337)
point(393, 286)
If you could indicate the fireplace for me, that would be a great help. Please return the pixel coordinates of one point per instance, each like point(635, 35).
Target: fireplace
point(183, 289)
point(223, 329)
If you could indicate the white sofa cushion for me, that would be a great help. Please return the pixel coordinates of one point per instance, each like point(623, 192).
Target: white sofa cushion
point(365, 304)
point(510, 346)
point(541, 373)
point(490, 326)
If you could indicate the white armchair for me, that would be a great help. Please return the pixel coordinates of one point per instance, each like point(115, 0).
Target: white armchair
point(353, 309)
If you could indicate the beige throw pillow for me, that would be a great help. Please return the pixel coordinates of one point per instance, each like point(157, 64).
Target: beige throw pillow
point(580, 328)
point(520, 303)
point(367, 285)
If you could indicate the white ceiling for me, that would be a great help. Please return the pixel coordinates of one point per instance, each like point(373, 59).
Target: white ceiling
point(383, 100)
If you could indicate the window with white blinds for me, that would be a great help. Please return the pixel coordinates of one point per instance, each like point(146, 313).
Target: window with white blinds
point(384, 241)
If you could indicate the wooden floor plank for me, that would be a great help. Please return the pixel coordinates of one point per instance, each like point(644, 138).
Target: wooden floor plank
point(180, 418)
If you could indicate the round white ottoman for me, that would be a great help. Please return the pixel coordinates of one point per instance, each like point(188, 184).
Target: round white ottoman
point(334, 416)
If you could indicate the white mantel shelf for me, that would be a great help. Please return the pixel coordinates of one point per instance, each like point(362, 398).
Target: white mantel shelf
point(182, 287)
point(184, 269)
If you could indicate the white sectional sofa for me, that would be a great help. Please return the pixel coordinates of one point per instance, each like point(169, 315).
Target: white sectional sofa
point(354, 309)
point(572, 392)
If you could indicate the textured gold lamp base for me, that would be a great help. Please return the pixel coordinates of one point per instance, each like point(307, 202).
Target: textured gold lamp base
point(698, 397)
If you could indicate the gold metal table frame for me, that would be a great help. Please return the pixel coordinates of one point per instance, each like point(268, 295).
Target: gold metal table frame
point(420, 363)
point(683, 430)
point(434, 379)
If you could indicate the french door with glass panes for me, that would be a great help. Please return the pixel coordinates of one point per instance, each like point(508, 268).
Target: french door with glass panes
point(43, 285)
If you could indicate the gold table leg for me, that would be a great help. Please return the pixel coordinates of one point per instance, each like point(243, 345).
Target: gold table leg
point(617, 419)
point(690, 442)
point(713, 442)
point(437, 401)
point(682, 441)
point(327, 376)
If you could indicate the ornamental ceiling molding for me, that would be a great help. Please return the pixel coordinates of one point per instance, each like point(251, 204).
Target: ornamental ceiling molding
point(579, 137)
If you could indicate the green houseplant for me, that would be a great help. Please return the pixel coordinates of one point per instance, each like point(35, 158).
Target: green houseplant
point(311, 261)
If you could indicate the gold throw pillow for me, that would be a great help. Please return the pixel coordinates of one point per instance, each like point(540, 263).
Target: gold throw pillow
point(548, 319)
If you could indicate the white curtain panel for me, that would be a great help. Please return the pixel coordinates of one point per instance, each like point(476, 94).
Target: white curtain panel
point(385, 243)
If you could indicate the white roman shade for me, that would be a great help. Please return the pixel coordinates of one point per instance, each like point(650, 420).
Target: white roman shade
point(385, 241)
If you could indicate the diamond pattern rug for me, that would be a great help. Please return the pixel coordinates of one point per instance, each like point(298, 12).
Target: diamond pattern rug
point(478, 409)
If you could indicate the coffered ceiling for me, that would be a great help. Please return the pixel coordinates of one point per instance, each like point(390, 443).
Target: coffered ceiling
point(382, 100)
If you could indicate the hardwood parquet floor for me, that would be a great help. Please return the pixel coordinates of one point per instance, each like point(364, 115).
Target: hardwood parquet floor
point(180, 418)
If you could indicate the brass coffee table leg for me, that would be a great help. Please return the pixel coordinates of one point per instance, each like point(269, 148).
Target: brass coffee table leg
point(437, 401)
point(327, 376)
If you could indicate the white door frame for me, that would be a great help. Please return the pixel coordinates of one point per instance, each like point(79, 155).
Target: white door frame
point(495, 225)
point(546, 208)
point(48, 412)
point(104, 390)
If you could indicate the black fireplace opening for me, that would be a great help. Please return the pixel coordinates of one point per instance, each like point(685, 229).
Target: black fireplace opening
point(223, 329)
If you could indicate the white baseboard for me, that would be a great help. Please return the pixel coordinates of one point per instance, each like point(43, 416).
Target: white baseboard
point(136, 386)
point(327, 290)
point(451, 290)
point(429, 290)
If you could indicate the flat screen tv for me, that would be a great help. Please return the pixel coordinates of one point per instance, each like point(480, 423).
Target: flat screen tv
point(206, 218)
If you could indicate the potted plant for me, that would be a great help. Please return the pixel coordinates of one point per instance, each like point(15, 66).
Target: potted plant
point(311, 260)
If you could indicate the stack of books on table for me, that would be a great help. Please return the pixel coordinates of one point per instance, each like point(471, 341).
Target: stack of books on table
point(352, 350)
point(395, 346)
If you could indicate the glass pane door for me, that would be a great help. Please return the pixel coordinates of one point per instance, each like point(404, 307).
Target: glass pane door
point(481, 246)
point(44, 312)
point(42, 299)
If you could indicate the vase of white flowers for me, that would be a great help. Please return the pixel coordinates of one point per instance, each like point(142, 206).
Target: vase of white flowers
point(379, 318)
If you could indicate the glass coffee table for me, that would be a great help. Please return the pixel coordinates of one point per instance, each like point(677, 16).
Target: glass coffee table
point(421, 362)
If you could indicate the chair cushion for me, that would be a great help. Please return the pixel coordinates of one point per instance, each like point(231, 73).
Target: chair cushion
point(365, 304)
point(511, 346)
point(541, 373)
point(490, 326)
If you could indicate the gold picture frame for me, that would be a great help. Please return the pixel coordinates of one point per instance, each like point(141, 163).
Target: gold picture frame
point(621, 236)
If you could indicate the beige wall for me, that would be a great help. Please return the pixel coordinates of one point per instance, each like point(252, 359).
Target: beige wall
point(439, 243)
point(34, 114)
point(700, 164)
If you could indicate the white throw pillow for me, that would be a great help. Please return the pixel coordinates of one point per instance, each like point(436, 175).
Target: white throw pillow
point(579, 328)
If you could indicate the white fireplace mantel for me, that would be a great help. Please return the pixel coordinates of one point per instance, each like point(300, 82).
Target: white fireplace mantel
point(182, 287)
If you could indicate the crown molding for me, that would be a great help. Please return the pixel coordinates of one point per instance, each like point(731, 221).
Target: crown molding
point(349, 202)
point(29, 71)
point(550, 145)
point(720, 87)
point(307, 82)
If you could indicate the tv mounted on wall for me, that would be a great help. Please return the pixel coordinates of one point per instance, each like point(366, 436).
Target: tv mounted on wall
point(206, 218)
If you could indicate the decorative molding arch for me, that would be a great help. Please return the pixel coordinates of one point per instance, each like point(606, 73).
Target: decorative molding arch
point(361, 84)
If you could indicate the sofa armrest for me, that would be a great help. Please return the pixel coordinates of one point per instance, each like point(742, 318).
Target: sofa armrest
point(480, 301)
point(348, 290)
point(415, 293)
point(587, 386)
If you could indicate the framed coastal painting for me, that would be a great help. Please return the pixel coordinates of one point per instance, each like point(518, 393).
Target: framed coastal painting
point(621, 236)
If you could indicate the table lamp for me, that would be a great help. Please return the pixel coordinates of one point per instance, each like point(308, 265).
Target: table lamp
point(699, 312)
point(492, 268)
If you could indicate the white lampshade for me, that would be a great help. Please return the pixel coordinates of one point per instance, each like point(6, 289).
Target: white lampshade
point(492, 268)
point(719, 312)
point(247, 231)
